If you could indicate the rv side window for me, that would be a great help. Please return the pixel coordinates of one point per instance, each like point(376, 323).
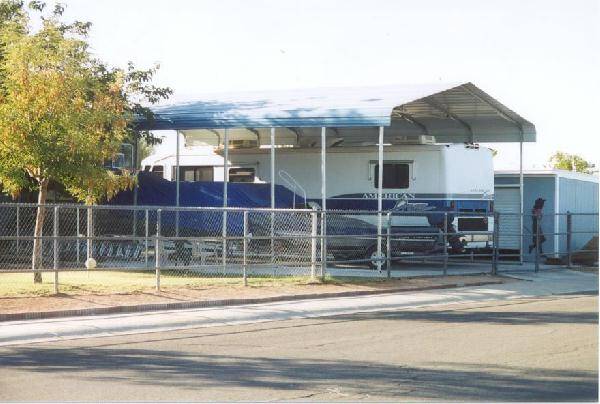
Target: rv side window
point(158, 171)
point(395, 175)
point(241, 175)
point(194, 173)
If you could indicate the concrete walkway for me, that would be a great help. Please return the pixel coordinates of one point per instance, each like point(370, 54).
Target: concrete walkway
point(540, 284)
point(417, 269)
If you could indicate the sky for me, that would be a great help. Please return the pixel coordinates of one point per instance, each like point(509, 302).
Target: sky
point(539, 58)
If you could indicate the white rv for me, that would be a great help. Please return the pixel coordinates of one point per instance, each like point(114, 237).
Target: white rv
point(427, 177)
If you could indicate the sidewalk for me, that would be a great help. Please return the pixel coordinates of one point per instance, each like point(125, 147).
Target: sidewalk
point(541, 284)
point(83, 299)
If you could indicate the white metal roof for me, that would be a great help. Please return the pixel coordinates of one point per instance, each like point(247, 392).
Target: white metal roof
point(452, 113)
point(549, 173)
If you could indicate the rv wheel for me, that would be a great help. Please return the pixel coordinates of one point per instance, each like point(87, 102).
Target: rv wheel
point(372, 256)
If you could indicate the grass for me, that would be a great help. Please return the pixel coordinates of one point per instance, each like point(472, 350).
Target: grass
point(110, 282)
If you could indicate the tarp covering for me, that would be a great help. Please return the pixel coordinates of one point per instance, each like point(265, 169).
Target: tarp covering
point(154, 191)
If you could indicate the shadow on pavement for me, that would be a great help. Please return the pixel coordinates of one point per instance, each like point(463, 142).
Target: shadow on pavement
point(171, 368)
point(489, 317)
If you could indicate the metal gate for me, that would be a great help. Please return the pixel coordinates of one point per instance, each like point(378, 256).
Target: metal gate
point(507, 200)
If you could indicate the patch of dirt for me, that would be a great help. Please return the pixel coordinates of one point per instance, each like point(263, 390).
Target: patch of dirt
point(9, 305)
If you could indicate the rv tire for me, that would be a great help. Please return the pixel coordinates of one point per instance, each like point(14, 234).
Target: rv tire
point(371, 255)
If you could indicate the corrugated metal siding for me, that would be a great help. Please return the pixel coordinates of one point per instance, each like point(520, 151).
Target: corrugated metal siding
point(578, 197)
point(506, 180)
point(507, 201)
point(436, 110)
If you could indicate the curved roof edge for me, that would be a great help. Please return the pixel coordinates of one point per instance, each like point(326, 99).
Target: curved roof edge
point(450, 112)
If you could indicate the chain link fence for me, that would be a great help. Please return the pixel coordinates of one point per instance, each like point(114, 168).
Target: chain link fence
point(235, 242)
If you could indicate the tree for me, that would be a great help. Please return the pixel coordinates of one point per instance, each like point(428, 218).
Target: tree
point(62, 111)
point(570, 162)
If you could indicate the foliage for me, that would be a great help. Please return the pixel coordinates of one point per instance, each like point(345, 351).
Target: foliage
point(570, 162)
point(144, 150)
point(63, 112)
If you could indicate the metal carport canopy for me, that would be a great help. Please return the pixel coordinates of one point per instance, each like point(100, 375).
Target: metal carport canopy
point(453, 113)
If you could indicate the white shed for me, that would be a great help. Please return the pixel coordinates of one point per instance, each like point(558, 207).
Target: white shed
point(564, 191)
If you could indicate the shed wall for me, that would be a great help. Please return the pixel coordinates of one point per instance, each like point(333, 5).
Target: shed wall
point(578, 196)
point(533, 188)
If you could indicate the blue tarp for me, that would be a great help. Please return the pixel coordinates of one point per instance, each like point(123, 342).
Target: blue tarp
point(154, 191)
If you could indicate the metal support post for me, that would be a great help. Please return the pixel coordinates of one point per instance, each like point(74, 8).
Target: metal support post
point(569, 240)
point(496, 243)
point(537, 244)
point(313, 243)
point(177, 184)
point(273, 198)
point(389, 245)
point(521, 206)
point(379, 199)
point(157, 247)
point(445, 243)
point(323, 244)
point(225, 181)
point(245, 245)
point(55, 249)
point(146, 234)
point(323, 201)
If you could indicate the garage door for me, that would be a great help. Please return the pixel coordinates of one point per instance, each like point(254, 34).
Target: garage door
point(506, 200)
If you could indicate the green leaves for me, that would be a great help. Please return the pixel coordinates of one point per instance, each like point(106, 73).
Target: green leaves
point(63, 112)
point(570, 162)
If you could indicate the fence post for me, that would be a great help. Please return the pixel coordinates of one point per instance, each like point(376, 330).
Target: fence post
point(157, 247)
point(89, 232)
point(245, 249)
point(569, 240)
point(445, 243)
point(313, 243)
point(224, 235)
point(537, 244)
point(496, 243)
point(146, 234)
point(55, 249)
point(272, 234)
point(388, 249)
point(18, 231)
point(323, 244)
point(78, 230)
point(388, 246)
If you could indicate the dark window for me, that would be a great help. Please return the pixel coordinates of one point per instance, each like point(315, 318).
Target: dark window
point(395, 175)
point(159, 171)
point(241, 175)
point(194, 173)
point(472, 224)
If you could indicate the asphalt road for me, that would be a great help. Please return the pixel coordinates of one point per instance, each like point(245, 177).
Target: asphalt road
point(543, 349)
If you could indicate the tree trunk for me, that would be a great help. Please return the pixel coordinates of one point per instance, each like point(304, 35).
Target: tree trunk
point(36, 259)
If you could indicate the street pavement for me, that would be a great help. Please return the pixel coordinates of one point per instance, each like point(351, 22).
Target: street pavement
point(532, 285)
point(520, 349)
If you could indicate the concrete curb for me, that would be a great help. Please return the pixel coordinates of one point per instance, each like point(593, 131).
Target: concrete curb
point(221, 302)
